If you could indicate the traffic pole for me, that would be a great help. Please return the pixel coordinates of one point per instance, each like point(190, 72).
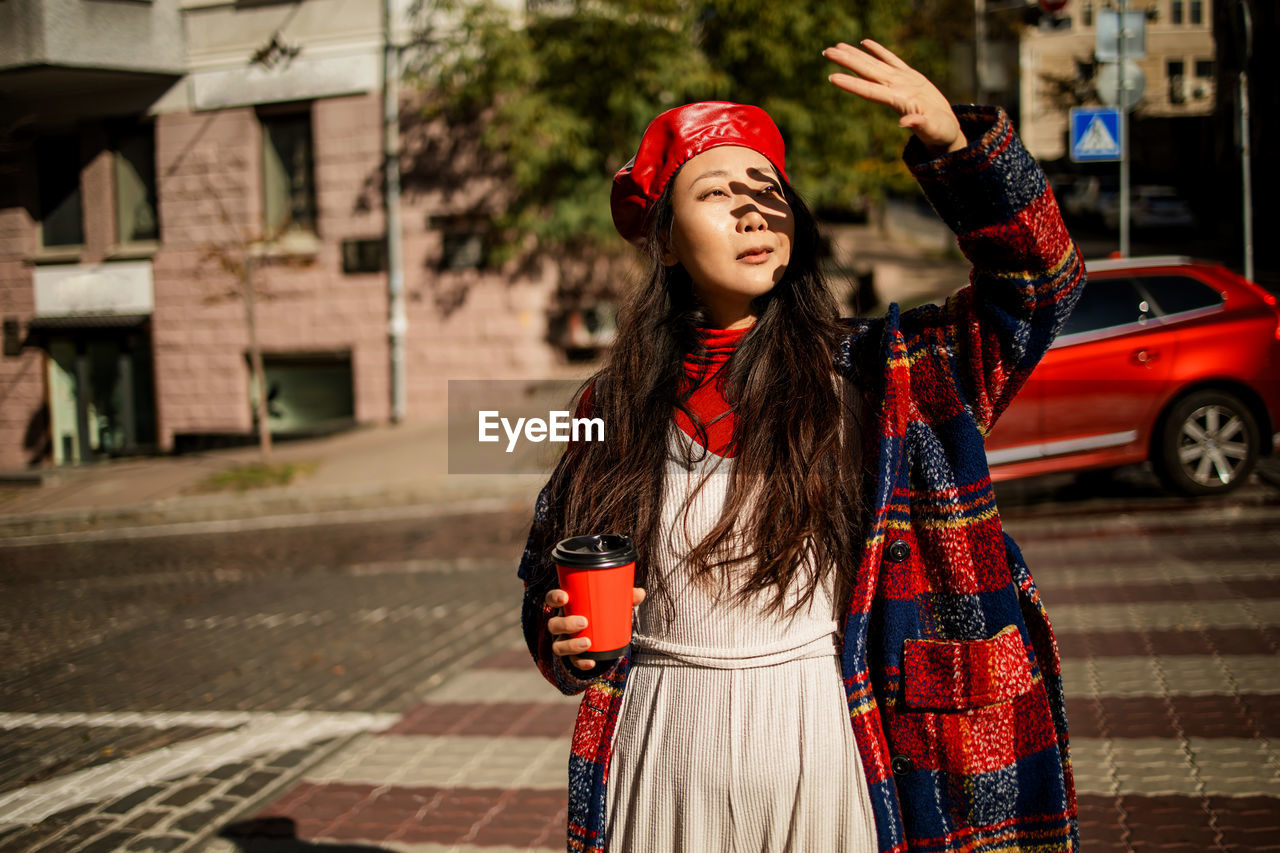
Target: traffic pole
point(1124, 133)
point(1246, 169)
point(397, 322)
point(1246, 150)
point(979, 49)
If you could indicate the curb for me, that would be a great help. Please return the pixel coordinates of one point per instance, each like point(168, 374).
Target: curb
point(394, 512)
point(169, 512)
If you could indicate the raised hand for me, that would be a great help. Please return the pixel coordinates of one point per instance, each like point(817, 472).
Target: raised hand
point(880, 76)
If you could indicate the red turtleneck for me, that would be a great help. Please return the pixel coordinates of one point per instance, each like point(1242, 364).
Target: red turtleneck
point(704, 369)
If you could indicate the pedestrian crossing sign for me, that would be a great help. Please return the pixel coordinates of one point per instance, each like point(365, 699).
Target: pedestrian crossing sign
point(1095, 134)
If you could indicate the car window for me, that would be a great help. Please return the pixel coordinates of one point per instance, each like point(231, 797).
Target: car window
point(1106, 302)
point(1174, 294)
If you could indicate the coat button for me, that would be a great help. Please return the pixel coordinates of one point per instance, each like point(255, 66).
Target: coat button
point(899, 551)
point(901, 765)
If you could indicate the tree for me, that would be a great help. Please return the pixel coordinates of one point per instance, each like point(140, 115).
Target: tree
point(241, 252)
point(563, 91)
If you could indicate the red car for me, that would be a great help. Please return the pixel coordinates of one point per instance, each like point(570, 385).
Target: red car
point(1166, 359)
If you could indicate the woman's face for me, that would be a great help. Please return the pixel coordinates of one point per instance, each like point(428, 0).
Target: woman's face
point(731, 229)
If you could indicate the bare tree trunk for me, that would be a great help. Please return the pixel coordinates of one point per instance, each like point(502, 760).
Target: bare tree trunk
point(255, 361)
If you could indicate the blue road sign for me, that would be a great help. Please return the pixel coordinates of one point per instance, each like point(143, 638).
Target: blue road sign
point(1095, 134)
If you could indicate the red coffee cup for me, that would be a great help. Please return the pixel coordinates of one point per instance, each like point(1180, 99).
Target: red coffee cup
point(598, 572)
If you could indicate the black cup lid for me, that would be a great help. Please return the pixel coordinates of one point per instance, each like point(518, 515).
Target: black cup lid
point(597, 551)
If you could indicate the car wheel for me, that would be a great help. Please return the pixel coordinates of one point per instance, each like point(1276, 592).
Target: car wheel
point(1209, 444)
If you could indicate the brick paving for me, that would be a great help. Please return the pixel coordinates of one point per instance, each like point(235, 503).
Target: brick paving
point(293, 642)
point(1171, 669)
point(1168, 623)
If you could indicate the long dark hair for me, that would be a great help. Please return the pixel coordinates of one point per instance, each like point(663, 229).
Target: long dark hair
point(795, 484)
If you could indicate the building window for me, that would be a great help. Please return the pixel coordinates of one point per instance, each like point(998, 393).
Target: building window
point(1175, 12)
point(1086, 14)
point(464, 242)
point(288, 174)
point(369, 255)
point(1204, 68)
point(135, 178)
point(1177, 89)
point(1197, 12)
point(58, 177)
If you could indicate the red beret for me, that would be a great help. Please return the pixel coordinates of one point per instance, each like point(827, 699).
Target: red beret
point(675, 137)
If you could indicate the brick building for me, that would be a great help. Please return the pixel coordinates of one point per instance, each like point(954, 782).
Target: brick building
point(146, 149)
point(1179, 66)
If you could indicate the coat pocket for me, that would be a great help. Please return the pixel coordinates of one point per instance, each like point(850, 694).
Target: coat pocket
point(958, 675)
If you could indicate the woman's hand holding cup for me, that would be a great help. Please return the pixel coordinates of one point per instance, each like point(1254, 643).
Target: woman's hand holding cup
point(561, 626)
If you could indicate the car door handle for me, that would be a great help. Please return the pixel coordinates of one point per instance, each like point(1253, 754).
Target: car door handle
point(1145, 356)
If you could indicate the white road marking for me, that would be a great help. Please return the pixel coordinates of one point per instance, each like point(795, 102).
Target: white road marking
point(1136, 675)
point(183, 719)
point(1163, 615)
point(1177, 675)
point(1140, 547)
point(1142, 766)
point(1204, 519)
point(1170, 570)
point(221, 845)
point(449, 761)
point(1152, 767)
point(255, 734)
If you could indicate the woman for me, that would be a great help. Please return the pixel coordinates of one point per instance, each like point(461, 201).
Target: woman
point(818, 512)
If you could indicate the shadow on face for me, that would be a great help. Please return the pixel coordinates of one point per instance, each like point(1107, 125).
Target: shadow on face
point(774, 208)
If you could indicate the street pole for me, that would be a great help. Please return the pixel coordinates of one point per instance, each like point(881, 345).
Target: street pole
point(1124, 134)
point(979, 49)
point(1245, 168)
point(397, 321)
point(1246, 149)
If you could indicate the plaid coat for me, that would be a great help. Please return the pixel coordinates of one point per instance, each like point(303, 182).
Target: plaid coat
point(950, 666)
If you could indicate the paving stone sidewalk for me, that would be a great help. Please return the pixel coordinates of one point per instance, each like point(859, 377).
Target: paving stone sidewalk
point(1170, 660)
point(130, 807)
point(1167, 616)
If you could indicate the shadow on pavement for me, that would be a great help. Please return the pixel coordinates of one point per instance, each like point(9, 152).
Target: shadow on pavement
point(1127, 484)
point(1134, 485)
point(280, 835)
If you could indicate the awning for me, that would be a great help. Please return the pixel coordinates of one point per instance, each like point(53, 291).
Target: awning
point(40, 329)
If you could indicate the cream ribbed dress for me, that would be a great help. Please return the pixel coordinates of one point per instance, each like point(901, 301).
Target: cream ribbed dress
point(734, 732)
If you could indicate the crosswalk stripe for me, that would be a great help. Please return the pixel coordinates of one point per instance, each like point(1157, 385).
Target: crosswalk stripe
point(345, 843)
point(193, 719)
point(1110, 676)
point(1117, 549)
point(221, 845)
point(1225, 767)
point(1138, 521)
point(450, 761)
point(1161, 675)
point(261, 734)
point(1204, 766)
point(1162, 572)
point(1180, 615)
